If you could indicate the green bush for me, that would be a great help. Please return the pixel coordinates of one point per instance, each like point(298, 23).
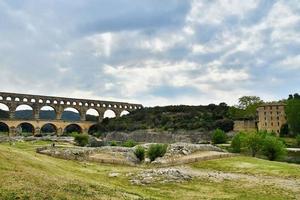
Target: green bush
point(273, 148)
point(219, 137)
point(140, 153)
point(129, 143)
point(237, 142)
point(298, 140)
point(81, 139)
point(254, 142)
point(113, 143)
point(156, 150)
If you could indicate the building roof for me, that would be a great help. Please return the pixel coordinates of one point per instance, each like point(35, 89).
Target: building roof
point(272, 104)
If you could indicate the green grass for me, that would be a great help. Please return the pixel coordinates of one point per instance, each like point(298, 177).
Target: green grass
point(25, 174)
point(249, 165)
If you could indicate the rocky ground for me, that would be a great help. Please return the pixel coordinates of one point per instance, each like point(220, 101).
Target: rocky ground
point(185, 173)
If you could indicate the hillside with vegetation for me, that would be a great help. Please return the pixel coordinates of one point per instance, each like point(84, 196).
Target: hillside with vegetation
point(170, 118)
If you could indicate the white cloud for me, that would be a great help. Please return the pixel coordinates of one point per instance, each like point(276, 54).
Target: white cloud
point(292, 62)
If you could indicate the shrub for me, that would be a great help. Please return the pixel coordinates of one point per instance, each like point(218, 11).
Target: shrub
point(254, 142)
point(140, 153)
point(273, 148)
point(156, 150)
point(219, 137)
point(81, 139)
point(113, 143)
point(298, 140)
point(129, 143)
point(237, 142)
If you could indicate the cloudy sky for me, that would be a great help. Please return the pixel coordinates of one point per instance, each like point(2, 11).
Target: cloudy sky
point(152, 52)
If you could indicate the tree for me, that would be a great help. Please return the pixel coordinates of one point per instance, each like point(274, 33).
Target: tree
point(273, 148)
point(284, 130)
point(237, 142)
point(292, 111)
point(246, 101)
point(254, 142)
point(298, 140)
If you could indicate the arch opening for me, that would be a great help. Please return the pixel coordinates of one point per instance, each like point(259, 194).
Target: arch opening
point(24, 112)
point(4, 111)
point(72, 129)
point(4, 129)
point(92, 115)
point(25, 129)
point(94, 130)
point(70, 114)
point(109, 114)
point(124, 112)
point(47, 112)
point(48, 130)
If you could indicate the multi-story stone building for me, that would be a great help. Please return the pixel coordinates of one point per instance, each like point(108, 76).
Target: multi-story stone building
point(271, 117)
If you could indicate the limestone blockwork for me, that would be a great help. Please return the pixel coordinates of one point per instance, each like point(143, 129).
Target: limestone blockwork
point(59, 104)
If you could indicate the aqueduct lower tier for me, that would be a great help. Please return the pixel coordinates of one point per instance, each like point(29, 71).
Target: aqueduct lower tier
point(60, 126)
point(59, 104)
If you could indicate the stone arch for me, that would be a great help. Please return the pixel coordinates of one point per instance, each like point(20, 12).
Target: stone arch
point(94, 130)
point(4, 111)
point(109, 114)
point(72, 128)
point(48, 129)
point(92, 115)
point(47, 112)
point(1, 98)
point(25, 129)
point(8, 98)
point(71, 114)
point(4, 129)
point(24, 111)
point(124, 112)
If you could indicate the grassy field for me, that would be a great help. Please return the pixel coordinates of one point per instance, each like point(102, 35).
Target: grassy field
point(25, 174)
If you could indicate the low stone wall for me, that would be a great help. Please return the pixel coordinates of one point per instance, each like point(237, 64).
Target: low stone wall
point(109, 154)
point(152, 136)
point(32, 138)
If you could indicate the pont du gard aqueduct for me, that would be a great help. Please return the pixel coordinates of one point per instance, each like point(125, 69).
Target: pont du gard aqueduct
point(34, 125)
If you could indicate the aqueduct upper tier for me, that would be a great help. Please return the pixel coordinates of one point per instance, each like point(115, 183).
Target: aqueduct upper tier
point(59, 104)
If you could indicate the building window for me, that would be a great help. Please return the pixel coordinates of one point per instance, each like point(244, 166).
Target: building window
point(271, 123)
point(265, 123)
point(277, 118)
point(278, 124)
point(265, 113)
point(271, 118)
